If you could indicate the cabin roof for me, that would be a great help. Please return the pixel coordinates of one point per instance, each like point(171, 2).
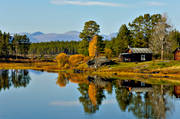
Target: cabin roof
point(176, 49)
point(141, 50)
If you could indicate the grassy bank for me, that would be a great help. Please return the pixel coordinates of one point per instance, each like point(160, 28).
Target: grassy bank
point(159, 69)
point(163, 67)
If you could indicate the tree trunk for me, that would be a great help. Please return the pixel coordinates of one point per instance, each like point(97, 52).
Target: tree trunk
point(162, 50)
point(162, 53)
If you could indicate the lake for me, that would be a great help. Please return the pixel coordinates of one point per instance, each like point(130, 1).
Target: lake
point(29, 94)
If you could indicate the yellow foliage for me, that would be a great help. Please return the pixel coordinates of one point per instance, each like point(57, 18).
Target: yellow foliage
point(66, 66)
point(62, 59)
point(74, 60)
point(108, 52)
point(82, 66)
point(87, 59)
point(93, 46)
point(92, 94)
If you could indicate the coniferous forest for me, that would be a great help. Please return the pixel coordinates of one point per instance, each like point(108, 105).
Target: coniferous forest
point(142, 32)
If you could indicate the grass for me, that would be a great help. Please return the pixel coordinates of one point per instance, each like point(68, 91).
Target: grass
point(149, 66)
point(154, 69)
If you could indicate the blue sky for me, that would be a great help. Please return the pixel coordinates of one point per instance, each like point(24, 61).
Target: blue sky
point(59, 16)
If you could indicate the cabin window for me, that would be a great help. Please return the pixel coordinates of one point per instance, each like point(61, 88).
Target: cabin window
point(126, 59)
point(143, 58)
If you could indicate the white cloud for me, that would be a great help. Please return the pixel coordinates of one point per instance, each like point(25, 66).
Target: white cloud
point(86, 3)
point(156, 3)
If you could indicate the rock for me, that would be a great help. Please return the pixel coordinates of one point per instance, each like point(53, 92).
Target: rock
point(99, 61)
point(78, 71)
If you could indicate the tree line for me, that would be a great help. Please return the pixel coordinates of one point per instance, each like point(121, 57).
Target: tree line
point(145, 31)
point(54, 48)
point(11, 46)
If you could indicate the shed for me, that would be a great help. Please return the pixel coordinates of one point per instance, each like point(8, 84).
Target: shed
point(136, 55)
point(177, 54)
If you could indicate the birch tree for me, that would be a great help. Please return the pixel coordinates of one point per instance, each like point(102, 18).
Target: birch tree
point(159, 42)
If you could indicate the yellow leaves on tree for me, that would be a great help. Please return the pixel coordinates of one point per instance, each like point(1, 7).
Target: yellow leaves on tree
point(62, 59)
point(108, 52)
point(93, 46)
point(75, 60)
point(92, 94)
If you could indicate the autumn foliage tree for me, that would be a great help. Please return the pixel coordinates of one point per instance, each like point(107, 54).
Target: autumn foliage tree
point(74, 60)
point(62, 59)
point(91, 28)
point(96, 46)
point(108, 52)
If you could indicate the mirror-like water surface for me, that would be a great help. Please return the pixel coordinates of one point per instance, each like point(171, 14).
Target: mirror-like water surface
point(28, 94)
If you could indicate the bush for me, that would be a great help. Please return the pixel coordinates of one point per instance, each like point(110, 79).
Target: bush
point(82, 66)
point(108, 52)
point(66, 66)
point(86, 59)
point(75, 60)
point(62, 59)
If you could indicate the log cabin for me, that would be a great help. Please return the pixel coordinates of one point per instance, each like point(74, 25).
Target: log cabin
point(136, 55)
point(177, 54)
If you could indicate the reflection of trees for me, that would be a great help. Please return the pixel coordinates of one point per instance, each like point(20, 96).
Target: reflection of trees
point(143, 100)
point(62, 79)
point(146, 104)
point(91, 89)
point(124, 97)
point(16, 78)
point(20, 78)
point(5, 82)
point(91, 97)
point(85, 100)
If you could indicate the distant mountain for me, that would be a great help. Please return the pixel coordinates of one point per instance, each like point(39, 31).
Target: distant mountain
point(37, 33)
point(41, 37)
point(110, 36)
point(37, 37)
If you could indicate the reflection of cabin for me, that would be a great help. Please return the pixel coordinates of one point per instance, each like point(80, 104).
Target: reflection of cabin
point(177, 91)
point(177, 54)
point(136, 55)
point(136, 86)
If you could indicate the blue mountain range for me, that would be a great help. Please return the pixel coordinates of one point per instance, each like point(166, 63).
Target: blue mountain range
point(37, 37)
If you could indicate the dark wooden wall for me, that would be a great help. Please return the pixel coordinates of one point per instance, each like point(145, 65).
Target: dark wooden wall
point(136, 57)
point(177, 55)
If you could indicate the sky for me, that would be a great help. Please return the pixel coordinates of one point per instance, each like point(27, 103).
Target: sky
point(60, 16)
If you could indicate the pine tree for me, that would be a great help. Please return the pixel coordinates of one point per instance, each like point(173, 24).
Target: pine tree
point(91, 28)
point(121, 42)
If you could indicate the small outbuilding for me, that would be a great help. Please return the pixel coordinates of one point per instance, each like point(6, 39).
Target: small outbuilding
point(177, 54)
point(136, 55)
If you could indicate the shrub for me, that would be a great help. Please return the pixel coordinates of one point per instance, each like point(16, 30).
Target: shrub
point(86, 59)
point(82, 66)
point(62, 59)
point(108, 52)
point(66, 66)
point(75, 60)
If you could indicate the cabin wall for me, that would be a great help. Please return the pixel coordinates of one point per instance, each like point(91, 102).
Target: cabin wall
point(136, 57)
point(177, 55)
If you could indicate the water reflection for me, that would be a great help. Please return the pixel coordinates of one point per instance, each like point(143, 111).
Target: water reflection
point(141, 99)
point(14, 78)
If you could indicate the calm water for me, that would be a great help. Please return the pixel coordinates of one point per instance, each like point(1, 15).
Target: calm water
point(28, 94)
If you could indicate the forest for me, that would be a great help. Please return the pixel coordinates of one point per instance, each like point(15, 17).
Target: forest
point(146, 31)
point(10, 47)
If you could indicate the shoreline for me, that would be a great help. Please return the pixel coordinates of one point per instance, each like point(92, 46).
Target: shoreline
point(129, 71)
